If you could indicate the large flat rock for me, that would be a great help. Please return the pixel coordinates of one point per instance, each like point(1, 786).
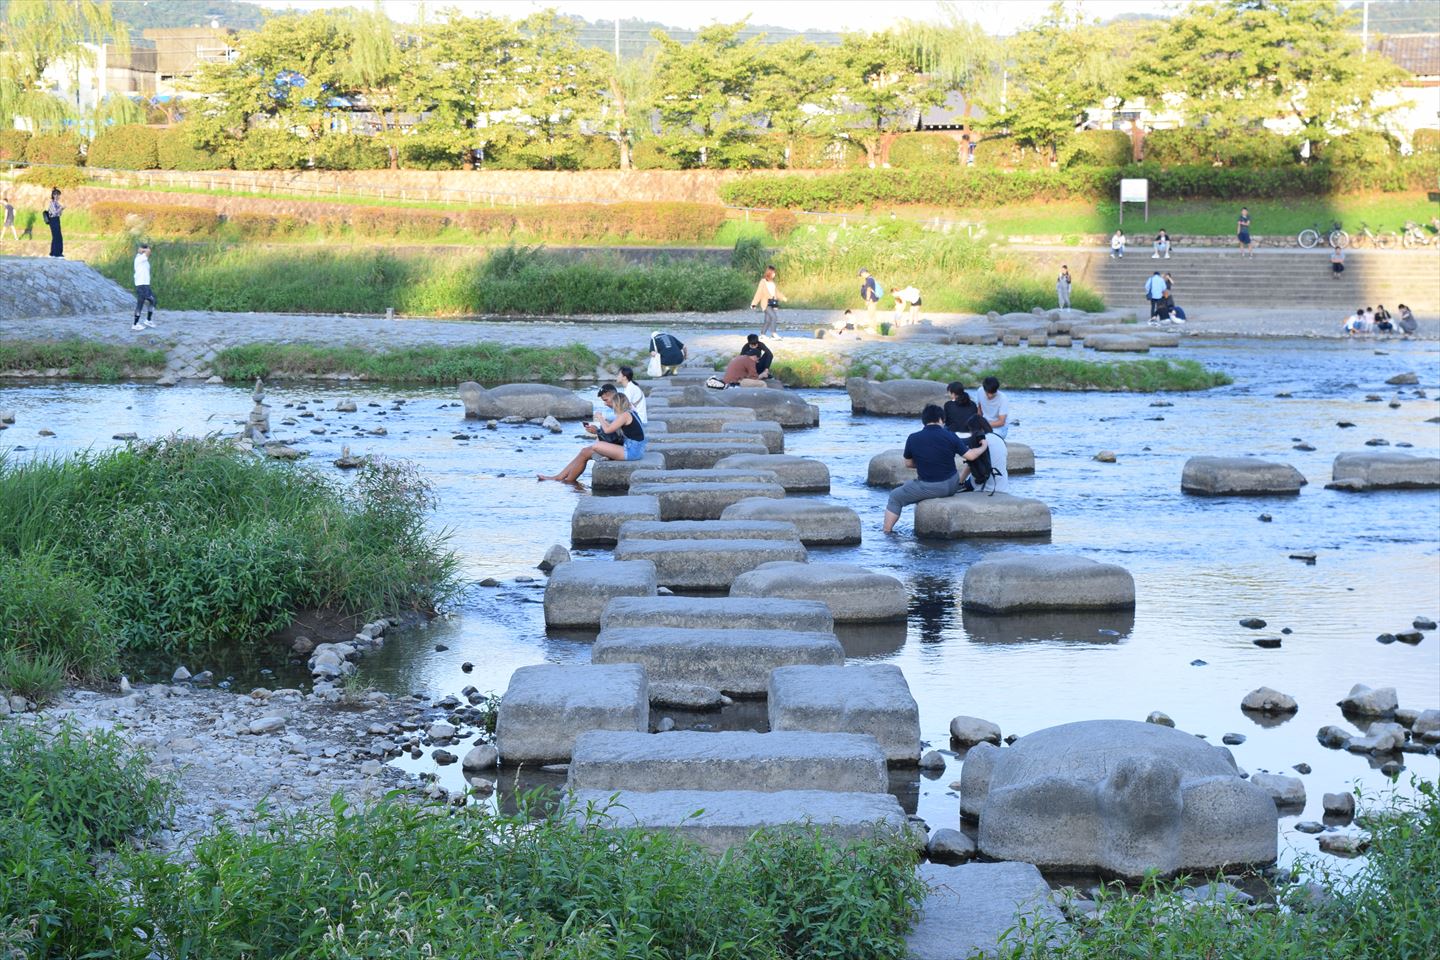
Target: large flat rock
point(977, 909)
point(769, 431)
point(718, 613)
point(820, 522)
point(981, 515)
point(1390, 470)
point(888, 469)
point(1239, 476)
point(735, 661)
point(1024, 582)
point(709, 530)
point(548, 705)
point(612, 475)
point(781, 406)
point(698, 451)
point(869, 698)
point(853, 593)
point(701, 419)
point(577, 592)
point(712, 475)
point(796, 474)
point(596, 521)
point(896, 398)
point(707, 564)
point(701, 500)
point(528, 400)
point(719, 820)
point(764, 762)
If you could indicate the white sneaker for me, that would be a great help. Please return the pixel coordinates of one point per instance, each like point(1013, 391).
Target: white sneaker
point(149, 322)
point(137, 327)
point(1154, 256)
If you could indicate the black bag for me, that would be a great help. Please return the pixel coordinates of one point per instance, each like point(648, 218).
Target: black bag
point(981, 469)
point(46, 215)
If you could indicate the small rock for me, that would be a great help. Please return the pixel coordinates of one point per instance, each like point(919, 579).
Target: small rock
point(1160, 718)
point(1343, 844)
point(1426, 724)
point(1344, 424)
point(1285, 791)
point(180, 675)
point(1310, 826)
point(1266, 518)
point(1253, 623)
point(1301, 768)
point(482, 756)
point(303, 646)
point(685, 696)
point(1267, 643)
point(1362, 700)
point(1386, 638)
point(443, 757)
point(466, 667)
point(1392, 768)
point(1423, 623)
point(555, 556)
point(932, 760)
point(665, 725)
point(950, 847)
point(968, 731)
point(1304, 448)
point(491, 425)
point(1332, 736)
point(441, 732)
point(1411, 637)
point(1199, 663)
point(266, 725)
point(1308, 556)
point(1216, 893)
point(551, 424)
point(125, 436)
point(1406, 379)
point(345, 406)
point(1105, 456)
point(1377, 442)
point(47, 433)
point(1266, 700)
point(1233, 739)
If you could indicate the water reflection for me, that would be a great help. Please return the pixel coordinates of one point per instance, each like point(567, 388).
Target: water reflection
point(1091, 626)
point(932, 605)
point(871, 640)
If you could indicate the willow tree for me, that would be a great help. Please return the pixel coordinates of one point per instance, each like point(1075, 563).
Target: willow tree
point(956, 53)
point(376, 69)
point(624, 114)
point(37, 34)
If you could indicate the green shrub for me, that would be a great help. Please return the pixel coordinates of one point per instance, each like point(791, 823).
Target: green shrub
point(1180, 146)
point(532, 283)
point(125, 147)
point(1001, 151)
point(925, 150)
point(175, 149)
point(431, 150)
point(264, 148)
point(65, 178)
point(52, 616)
point(1011, 294)
point(396, 222)
point(58, 149)
point(349, 151)
point(1256, 148)
point(482, 362)
point(265, 226)
point(13, 144)
point(161, 220)
point(824, 153)
point(37, 676)
point(781, 223)
point(81, 359)
point(649, 155)
point(597, 153)
point(1360, 149)
point(749, 256)
point(1422, 141)
point(1097, 148)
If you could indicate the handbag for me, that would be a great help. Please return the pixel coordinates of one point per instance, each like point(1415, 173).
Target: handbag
point(653, 367)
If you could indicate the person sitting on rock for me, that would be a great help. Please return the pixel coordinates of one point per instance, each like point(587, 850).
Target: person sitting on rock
point(743, 367)
point(1355, 323)
point(931, 451)
point(959, 409)
point(1406, 321)
point(755, 347)
point(625, 425)
point(986, 455)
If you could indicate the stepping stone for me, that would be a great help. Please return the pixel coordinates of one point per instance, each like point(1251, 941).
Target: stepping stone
point(782, 406)
point(1239, 476)
point(797, 474)
point(1386, 471)
point(691, 451)
point(718, 613)
point(871, 698)
point(706, 564)
point(700, 501)
point(691, 760)
point(977, 909)
point(1015, 582)
point(712, 475)
point(887, 469)
point(709, 530)
point(615, 474)
point(853, 593)
point(529, 401)
point(734, 661)
point(894, 398)
point(701, 419)
point(1117, 343)
point(719, 820)
point(820, 522)
point(770, 432)
point(546, 706)
point(981, 515)
point(596, 520)
point(577, 592)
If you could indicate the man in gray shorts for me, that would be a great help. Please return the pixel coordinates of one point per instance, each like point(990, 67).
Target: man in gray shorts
point(931, 450)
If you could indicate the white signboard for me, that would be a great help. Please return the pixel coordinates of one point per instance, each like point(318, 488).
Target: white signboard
point(1135, 191)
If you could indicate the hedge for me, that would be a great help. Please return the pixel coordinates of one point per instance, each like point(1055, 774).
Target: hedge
point(1097, 148)
point(431, 151)
point(158, 220)
point(55, 148)
point(925, 150)
point(647, 155)
point(129, 146)
point(175, 150)
point(348, 151)
point(821, 153)
point(1002, 151)
point(1194, 145)
point(266, 149)
point(65, 178)
point(1423, 141)
point(13, 144)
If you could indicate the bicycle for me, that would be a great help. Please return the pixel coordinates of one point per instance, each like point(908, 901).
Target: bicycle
point(1415, 236)
point(1381, 241)
point(1336, 237)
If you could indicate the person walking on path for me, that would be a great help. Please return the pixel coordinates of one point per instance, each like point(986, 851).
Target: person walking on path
point(9, 222)
point(53, 210)
point(931, 451)
point(1154, 292)
point(1242, 233)
point(1062, 287)
point(768, 295)
point(994, 406)
point(144, 296)
point(870, 294)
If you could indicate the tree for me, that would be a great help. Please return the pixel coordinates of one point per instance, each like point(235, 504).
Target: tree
point(558, 83)
point(625, 112)
point(797, 77)
point(957, 53)
point(36, 34)
point(376, 67)
point(879, 90)
point(472, 63)
point(1239, 63)
point(704, 91)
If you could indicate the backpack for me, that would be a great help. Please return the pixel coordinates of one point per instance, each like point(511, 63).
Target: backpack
point(981, 469)
point(715, 383)
point(879, 290)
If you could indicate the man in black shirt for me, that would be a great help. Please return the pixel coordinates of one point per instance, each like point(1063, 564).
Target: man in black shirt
point(672, 352)
point(755, 347)
point(931, 450)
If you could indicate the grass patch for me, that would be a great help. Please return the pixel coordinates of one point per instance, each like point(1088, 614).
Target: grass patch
point(84, 359)
point(1038, 372)
point(182, 546)
point(510, 281)
point(482, 362)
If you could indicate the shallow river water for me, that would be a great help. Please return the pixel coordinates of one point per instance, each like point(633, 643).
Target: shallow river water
point(1200, 564)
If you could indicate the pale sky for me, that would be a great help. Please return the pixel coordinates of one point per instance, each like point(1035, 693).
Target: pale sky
point(998, 16)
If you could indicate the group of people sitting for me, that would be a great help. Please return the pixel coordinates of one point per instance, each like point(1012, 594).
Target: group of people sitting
point(749, 368)
point(621, 437)
point(959, 448)
point(1161, 245)
point(1367, 321)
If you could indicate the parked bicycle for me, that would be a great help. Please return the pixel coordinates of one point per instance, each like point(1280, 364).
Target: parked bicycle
point(1335, 237)
point(1416, 236)
point(1381, 241)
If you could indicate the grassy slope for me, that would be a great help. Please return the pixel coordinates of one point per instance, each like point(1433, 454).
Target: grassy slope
point(85, 359)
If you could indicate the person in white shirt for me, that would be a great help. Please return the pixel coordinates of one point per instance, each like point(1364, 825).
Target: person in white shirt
point(907, 298)
point(1117, 245)
point(144, 296)
point(995, 407)
point(633, 393)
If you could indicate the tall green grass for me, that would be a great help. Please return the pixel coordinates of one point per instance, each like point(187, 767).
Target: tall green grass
point(1033, 371)
point(482, 362)
point(185, 546)
point(83, 359)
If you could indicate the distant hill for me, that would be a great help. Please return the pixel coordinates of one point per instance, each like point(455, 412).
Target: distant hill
point(145, 14)
point(1402, 16)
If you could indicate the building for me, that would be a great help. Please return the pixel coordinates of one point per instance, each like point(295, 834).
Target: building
point(1417, 99)
point(104, 71)
point(180, 52)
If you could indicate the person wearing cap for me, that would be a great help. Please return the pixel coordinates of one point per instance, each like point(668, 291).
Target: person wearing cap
point(870, 295)
point(671, 351)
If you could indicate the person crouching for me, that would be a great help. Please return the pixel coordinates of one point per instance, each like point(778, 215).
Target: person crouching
point(931, 450)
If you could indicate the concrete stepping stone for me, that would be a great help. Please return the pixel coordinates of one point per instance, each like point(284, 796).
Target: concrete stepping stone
point(895, 398)
point(596, 520)
point(981, 515)
point(1016, 582)
point(1239, 476)
point(547, 705)
point(692, 760)
point(701, 500)
point(797, 474)
point(820, 523)
point(701, 419)
point(853, 593)
point(887, 469)
point(719, 820)
point(615, 474)
point(715, 474)
point(709, 530)
point(869, 698)
point(1385, 471)
point(976, 909)
point(735, 661)
point(1117, 343)
point(699, 451)
point(769, 431)
point(707, 564)
point(577, 592)
point(718, 613)
point(783, 406)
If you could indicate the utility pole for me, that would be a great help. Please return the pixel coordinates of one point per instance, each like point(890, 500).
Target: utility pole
point(1365, 28)
point(617, 39)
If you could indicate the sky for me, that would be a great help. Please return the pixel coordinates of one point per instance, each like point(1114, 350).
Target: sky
point(997, 16)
